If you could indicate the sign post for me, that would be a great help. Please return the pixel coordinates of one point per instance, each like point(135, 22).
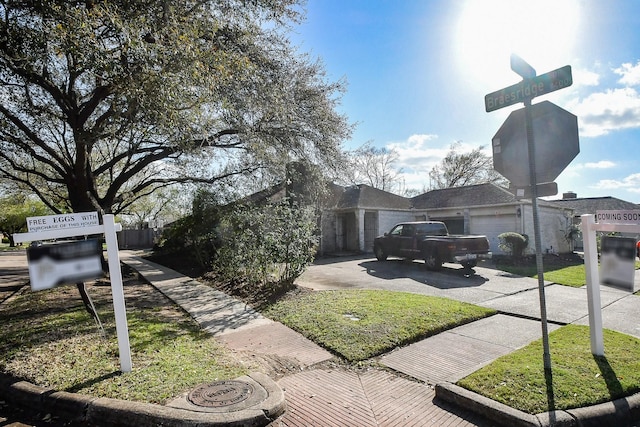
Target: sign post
point(84, 224)
point(609, 221)
point(546, 355)
point(530, 87)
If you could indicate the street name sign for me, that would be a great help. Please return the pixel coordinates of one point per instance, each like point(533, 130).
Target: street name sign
point(62, 222)
point(618, 217)
point(529, 89)
point(521, 67)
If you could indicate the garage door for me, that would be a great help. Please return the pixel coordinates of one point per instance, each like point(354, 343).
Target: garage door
point(492, 226)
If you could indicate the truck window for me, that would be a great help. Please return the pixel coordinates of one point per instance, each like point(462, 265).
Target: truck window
point(407, 230)
point(432, 230)
point(397, 231)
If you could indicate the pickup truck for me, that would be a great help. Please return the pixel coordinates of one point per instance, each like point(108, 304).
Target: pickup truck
point(430, 241)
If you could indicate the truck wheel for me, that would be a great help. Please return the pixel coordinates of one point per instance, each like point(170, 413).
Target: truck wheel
point(469, 264)
point(433, 261)
point(379, 253)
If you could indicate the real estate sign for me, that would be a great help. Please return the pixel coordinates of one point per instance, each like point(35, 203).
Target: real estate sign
point(61, 222)
point(69, 262)
point(618, 217)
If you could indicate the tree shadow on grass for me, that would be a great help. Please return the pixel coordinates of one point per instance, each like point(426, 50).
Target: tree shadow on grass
point(93, 381)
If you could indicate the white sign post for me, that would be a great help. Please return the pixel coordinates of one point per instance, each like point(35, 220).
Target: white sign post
point(83, 224)
point(624, 224)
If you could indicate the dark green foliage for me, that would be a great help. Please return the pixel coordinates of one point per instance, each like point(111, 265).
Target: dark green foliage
point(197, 233)
point(513, 243)
point(267, 245)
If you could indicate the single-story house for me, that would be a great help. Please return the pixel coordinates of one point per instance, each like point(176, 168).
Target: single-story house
point(353, 216)
point(590, 205)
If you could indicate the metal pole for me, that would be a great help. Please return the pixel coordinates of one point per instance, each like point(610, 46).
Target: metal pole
point(536, 230)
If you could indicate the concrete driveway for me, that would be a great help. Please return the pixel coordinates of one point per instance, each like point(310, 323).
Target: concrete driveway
point(395, 274)
point(489, 287)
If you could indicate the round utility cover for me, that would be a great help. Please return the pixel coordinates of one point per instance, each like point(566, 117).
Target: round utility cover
point(220, 393)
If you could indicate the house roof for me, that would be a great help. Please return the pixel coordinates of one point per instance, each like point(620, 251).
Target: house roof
point(275, 192)
point(471, 195)
point(589, 205)
point(364, 196)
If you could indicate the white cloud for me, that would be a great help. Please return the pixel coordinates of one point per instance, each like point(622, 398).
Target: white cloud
point(630, 74)
point(602, 164)
point(584, 77)
point(418, 154)
point(603, 112)
point(631, 183)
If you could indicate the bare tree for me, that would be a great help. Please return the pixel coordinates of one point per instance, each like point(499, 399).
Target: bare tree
point(460, 169)
point(375, 167)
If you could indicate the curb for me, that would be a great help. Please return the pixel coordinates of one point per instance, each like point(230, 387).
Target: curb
point(619, 412)
point(115, 412)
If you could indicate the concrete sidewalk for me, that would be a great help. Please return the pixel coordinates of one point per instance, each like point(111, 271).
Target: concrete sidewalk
point(322, 393)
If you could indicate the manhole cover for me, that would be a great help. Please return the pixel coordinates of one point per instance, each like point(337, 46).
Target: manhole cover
point(220, 394)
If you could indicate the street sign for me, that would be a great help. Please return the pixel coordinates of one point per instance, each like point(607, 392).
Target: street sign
point(618, 217)
point(529, 89)
point(521, 67)
point(543, 190)
point(555, 140)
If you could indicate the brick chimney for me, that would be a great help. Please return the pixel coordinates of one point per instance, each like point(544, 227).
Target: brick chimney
point(569, 195)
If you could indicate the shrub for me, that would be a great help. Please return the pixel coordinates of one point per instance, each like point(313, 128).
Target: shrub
point(266, 245)
point(513, 243)
point(197, 233)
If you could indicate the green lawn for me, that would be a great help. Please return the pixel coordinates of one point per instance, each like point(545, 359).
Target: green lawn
point(361, 324)
point(569, 275)
point(578, 378)
point(49, 339)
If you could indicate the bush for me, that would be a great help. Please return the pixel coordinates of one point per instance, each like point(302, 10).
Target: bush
point(196, 233)
point(513, 243)
point(266, 245)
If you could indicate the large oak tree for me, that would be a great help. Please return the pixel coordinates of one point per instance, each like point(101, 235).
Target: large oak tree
point(106, 101)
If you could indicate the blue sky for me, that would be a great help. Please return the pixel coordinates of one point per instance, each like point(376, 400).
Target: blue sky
point(417, 72)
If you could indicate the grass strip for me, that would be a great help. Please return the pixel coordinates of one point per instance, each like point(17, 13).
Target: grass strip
point(578, 378)
point(572, 275)
point(360, 324)
point(48, 338)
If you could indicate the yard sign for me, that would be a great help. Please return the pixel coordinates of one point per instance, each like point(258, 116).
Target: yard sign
point(84, 224)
